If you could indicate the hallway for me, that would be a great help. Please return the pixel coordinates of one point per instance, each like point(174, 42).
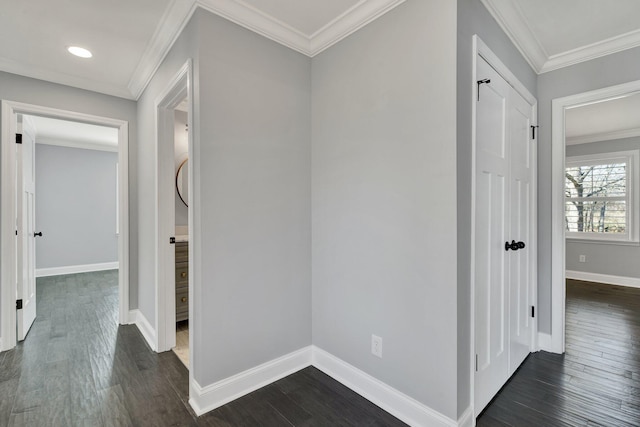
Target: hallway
point(78, 368)
point(596, 382)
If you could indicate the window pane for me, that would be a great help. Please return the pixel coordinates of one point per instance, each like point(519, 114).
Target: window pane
point(607, 180)
point(596, 216)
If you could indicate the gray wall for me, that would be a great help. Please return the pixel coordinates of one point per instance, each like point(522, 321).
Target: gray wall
point(38, 92)
point(75, 206)
point(251, 204)
point(185, 47)
point(612, 259)
point(473, 18)
point(602, 72)
point(253, 161)
point(384, 200)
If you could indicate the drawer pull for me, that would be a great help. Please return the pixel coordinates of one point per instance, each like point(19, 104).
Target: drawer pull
point(183, 274)
point(184, 299)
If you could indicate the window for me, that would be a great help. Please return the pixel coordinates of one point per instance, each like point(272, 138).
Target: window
point(601, 203)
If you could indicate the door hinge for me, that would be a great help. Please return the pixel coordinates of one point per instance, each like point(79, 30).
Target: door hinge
point(18, 138)
point(479, 82)
point(19, 304)
point(533, 131)
point(533, 311)
point(172, 240)
point(476, 363)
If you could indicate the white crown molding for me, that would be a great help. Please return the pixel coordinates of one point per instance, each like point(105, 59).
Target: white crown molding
point(171, 24)
point(83, 144)
point(604, 136)
point(349, 22)
point(237, 11)
point(595, 50)
point(39, 73)
point(510, 18)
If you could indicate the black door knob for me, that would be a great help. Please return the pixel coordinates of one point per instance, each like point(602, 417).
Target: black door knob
point(513, 246)
point(521, 245)
point(37, 234)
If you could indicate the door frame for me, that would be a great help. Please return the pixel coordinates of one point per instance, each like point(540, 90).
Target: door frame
point(179, 87)
point(481, 49)
point(8, 190)
point(556, 342)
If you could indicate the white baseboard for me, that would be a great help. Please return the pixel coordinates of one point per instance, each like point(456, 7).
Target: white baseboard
point(391, 400)
point(148, 332)
point(205, 399)
point(72, 269)
point(609, 279)
point(545, 342)
point(466, 419)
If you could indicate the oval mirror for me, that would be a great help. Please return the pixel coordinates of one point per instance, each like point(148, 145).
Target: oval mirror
point(182, 182)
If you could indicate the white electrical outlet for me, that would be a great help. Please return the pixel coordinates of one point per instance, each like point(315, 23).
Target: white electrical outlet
point(583, 258)
point(376, 346)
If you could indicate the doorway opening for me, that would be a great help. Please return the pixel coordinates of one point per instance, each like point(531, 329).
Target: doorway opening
point(33, 123)
point(595, 195)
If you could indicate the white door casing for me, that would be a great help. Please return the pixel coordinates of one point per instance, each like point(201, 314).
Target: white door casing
point(25, 237)
point(503, 210)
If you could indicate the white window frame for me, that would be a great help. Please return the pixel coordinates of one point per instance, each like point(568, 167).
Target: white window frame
point(631, 158)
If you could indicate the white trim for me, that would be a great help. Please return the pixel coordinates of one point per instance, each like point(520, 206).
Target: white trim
point(510, 18)
point(479, 48)
point(208, 398)
point(8, 196)
point(391, 400)
point(467, 419)
point(609, 279)
point(135, 317)
point(86, 145)
point(604, 136)
point(73, 269)
point(545, 342)
point(179, 12)
point(558, 242)
point(592, 51)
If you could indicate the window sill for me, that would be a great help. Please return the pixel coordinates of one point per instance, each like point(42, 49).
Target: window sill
point(603, 241)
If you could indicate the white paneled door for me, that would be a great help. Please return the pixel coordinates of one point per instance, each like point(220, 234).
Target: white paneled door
point(502, 229)
point(26, 235)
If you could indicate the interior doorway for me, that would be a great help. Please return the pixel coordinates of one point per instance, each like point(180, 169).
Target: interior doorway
point(575, 107)
point(20, 280)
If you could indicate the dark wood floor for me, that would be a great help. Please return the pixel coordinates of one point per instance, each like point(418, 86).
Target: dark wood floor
point(596, 382)
point(78, 368)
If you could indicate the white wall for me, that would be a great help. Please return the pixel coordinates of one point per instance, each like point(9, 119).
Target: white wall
point(75, 206)
point(181, 151)
point(384, 200)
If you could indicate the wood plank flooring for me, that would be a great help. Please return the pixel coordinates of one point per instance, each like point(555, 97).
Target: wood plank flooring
point(596, 382)
point(77, 367)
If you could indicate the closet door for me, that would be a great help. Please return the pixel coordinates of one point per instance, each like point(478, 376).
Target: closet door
point(504, 170)
point(491, 228)
point(520, 261)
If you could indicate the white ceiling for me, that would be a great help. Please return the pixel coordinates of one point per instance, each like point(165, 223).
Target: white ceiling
point(552, 34)
point(603, 121)
point(73, 134)
point(129, 38)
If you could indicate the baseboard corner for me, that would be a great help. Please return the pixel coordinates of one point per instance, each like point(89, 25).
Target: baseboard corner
point(148, 332)
point(466, 419)
point(207, 398)
point(398, 404)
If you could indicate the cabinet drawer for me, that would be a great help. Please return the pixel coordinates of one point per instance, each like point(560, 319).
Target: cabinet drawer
point(182, 274)
point(182, 301)
point(182, 252)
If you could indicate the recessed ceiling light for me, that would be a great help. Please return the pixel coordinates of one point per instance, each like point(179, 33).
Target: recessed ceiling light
point(79, 51)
